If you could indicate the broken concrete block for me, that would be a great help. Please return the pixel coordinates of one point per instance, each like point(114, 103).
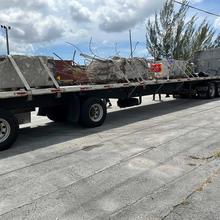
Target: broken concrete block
point(118, 69)
point(208, 61)
point(31, 68)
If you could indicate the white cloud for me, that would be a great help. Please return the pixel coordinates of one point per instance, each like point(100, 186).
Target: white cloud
point(40, 22)
point(79, 12)
point(119, 15)
point(16, 47)
point(32, 26)
point(36, 22)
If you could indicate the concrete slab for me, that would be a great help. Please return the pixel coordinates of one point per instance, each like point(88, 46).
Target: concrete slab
point(31, 68)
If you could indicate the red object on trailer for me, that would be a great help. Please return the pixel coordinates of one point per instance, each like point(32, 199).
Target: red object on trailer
point(66, 70)
point(156, 67)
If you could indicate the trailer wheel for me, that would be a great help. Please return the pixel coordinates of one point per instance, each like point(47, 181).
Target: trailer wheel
point(57, 114)
point(207, 91)
point(211, 91)
point(217, 90)
point(93, 113)
point(8, 129)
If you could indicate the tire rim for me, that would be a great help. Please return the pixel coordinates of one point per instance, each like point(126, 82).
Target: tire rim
point(5, 130)
point(96, 112)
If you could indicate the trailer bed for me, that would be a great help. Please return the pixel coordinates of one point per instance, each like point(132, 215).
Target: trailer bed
point(94, 87)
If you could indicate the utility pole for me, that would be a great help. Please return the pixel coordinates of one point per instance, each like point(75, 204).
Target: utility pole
point(6, 28)
point(131, 46)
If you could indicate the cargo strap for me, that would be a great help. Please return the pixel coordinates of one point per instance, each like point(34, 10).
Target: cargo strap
point(21, 76)
point(51, 77)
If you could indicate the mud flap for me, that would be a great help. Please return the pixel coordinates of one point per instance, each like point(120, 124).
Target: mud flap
point(74, 109)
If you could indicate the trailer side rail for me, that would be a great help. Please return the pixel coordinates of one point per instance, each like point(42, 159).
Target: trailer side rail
point(81, 88)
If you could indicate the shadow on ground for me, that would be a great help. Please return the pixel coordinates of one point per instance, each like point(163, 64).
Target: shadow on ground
point(31, 139)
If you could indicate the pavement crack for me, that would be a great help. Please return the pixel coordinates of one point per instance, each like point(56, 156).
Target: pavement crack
point(153, 193)
point(164, 188)
point(213, 156)
point(200, 188)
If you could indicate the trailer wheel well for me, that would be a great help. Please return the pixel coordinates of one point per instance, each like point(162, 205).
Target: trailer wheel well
point(68, 110)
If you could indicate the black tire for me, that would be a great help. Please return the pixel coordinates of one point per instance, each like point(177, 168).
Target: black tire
point(207, 92)
point(58, 114)
point(8, 129)
point(217, 90)
point(211, 93)
point(93, 113)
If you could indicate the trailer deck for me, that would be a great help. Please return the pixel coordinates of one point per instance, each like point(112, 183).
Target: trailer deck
point(94, 87)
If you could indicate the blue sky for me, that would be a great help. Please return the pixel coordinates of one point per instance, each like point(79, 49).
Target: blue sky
point(208, 5)
point(42, 27)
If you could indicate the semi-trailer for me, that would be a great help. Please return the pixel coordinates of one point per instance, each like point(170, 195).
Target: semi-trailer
point(85, 103)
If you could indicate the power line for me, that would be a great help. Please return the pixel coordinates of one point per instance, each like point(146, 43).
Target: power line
point(198, 9)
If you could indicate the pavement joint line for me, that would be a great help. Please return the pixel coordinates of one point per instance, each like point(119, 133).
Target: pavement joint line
point(163, 187)
point(109, 167)
point(204, 184)
point(156, 165)
point(135, 131)
point(157, 190)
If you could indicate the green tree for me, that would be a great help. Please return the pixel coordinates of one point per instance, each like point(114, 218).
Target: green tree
point(172, 34)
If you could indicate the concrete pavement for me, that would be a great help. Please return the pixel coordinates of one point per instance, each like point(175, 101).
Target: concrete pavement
point(156, 161)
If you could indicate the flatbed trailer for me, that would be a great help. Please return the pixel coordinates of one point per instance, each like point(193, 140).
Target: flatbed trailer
point(86, 103)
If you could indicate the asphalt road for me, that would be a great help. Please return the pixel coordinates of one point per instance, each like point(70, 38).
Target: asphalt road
point(155, 161)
